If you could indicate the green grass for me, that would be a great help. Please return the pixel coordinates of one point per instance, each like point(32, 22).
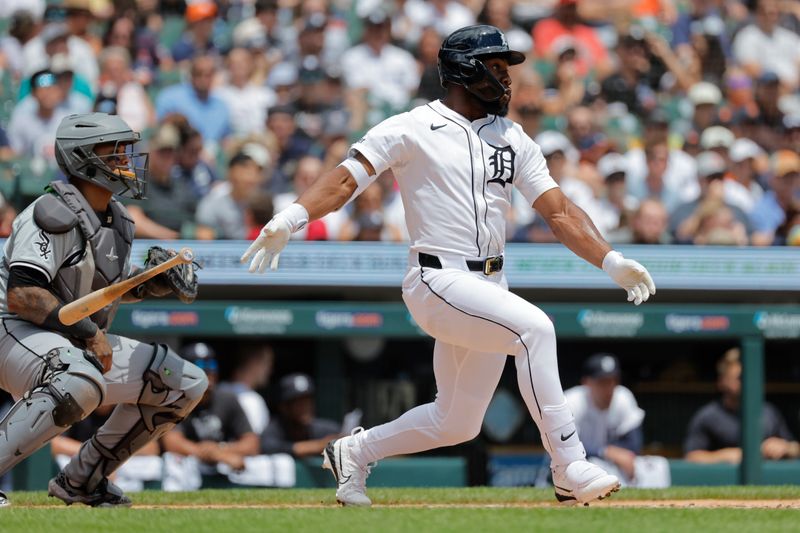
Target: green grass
point(29, 514)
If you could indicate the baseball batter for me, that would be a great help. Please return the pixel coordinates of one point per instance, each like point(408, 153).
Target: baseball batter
point(456, 161)
point(71, 241)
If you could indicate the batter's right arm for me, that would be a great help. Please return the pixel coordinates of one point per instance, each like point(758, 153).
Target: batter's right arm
point(330, 192)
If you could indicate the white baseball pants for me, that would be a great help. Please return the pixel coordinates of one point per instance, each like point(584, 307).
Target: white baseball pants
point(476, 322)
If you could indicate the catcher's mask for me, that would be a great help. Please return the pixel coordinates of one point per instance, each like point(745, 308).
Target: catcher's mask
point(117, 168)
point(460, 60)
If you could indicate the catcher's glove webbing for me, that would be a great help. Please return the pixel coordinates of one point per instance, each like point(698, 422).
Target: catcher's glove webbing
point(180, 279)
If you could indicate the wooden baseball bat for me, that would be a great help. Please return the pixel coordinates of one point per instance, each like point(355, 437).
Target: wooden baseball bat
point(94, 301)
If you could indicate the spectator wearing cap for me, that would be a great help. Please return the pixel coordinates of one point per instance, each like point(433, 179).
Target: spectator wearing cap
point(718, 139)
point(386, 73)
point(56, 38)
point(217, 430)
point(770, 213)
point(282, 79)
point(198, 39)
point(223, 208)
point(314, 50)
point(309, 169)
point(592, 53)
point(32, 128)
point(293, 145)
point(562, 160)
point(705, 97)
point(499, 13)
point(206, 112)
point(295, 429)
point(252, 368)
point(200, 176)
point(714, 433)
point(791, 129)
point(35, 7)
point(74, 89)
point(743, 189)
point(265, 31)
point(117, 81)
point(769, 120)
point(246, 100)
point(445, 16)
point(607, 416)
point(616, 205)
point(766, 46)
point(661, 173)
point(710, 217)
point(168, 211)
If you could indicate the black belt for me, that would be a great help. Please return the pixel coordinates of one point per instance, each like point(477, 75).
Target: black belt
point(490, 265)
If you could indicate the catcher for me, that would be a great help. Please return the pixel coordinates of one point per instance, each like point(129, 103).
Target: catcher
point(74, 239)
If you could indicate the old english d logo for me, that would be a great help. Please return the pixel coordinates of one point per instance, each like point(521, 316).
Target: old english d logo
point(502, 163)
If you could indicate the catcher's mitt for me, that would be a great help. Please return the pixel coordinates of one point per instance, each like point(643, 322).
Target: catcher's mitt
point(180, 279)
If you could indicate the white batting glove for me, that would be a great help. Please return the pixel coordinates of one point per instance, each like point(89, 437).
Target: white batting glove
point(267, 247)
point(629, 275)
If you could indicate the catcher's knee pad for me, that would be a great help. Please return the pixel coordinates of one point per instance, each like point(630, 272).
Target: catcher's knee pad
point(75, 383)
point(172, 381)
point(70, 390)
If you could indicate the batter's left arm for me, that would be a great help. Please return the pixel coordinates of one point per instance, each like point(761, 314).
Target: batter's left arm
point(573, 227)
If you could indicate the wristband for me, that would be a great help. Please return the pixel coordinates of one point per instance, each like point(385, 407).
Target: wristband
point(611, 260)
point(83, 329)
point(356, 170)
point(296, 216)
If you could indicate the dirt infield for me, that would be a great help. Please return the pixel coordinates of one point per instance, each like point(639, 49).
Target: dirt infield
point(615, 503)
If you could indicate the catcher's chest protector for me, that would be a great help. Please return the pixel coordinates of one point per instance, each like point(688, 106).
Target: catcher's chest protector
point(110, 249)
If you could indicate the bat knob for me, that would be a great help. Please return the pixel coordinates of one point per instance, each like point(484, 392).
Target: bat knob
point(186, 254)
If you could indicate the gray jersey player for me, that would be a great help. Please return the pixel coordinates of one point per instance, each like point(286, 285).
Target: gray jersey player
point(73, 240)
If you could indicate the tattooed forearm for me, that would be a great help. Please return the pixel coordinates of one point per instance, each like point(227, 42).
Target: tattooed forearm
point(31, 303)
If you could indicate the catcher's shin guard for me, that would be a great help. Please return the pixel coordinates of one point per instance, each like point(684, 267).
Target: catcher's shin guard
point(171, 389)
point(70, 389)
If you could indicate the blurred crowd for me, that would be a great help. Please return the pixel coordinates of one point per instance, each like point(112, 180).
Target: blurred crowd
point(667, 121)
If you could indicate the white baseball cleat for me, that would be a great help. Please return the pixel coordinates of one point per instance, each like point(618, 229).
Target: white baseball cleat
point(351, 477)
point(583, 482)
point(4, 501)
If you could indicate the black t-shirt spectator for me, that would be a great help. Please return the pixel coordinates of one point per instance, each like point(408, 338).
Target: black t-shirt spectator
point(275, 440)
point(713, 428)
point(221, 420)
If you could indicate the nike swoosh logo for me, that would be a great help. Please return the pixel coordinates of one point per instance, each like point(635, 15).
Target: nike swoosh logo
point(434, 128)
point(563, 438)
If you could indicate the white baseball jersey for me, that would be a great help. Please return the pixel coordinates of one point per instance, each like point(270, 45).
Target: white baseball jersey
point(456, 176)
point(598, 427)
point(456, 180)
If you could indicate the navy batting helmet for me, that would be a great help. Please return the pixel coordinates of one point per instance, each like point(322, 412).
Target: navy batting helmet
point(460, 60)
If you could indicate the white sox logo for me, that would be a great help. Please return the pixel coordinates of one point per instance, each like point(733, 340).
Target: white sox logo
point(43, 244)
point(502, 162)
